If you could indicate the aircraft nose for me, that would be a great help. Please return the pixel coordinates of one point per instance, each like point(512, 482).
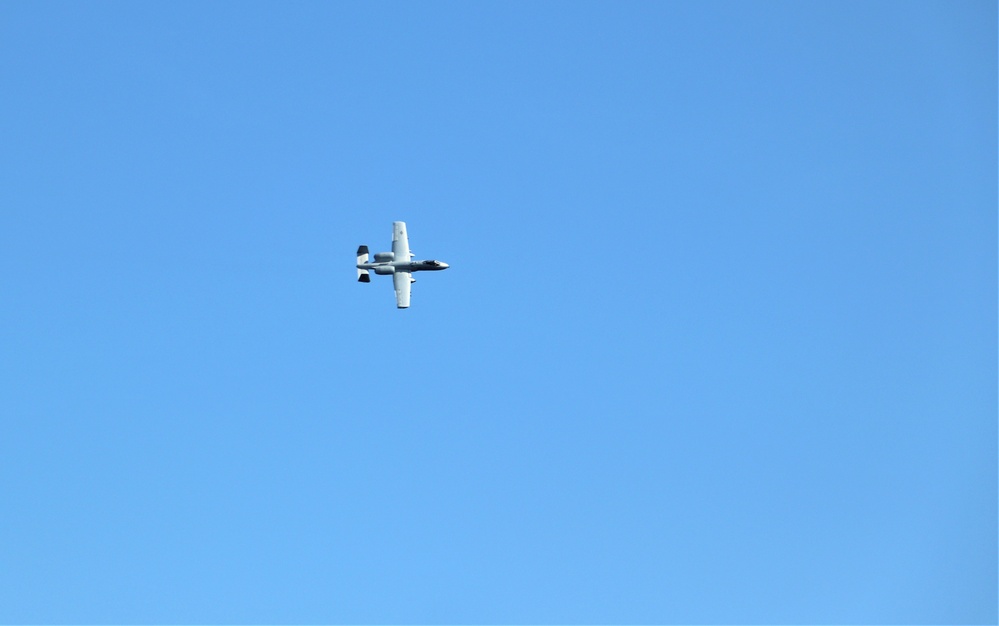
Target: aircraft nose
point(444, 266)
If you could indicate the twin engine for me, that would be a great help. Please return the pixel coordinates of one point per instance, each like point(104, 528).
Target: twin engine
point(383, 270)
point(381, 257)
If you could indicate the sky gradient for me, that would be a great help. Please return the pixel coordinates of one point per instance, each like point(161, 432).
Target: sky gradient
point(718, 342)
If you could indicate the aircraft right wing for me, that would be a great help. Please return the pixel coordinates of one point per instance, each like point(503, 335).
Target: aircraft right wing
point(400, 241)
point(403, 282)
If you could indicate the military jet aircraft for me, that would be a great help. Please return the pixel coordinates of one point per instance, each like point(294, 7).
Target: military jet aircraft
point(399, 264)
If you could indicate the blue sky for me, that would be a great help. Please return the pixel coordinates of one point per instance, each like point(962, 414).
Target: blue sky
point(717, 344)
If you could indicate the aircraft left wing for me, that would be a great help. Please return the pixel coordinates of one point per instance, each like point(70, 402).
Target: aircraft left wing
point(403, 282)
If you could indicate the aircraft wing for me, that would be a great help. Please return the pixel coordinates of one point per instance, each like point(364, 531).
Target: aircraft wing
point(400, 242)
point(403, 281)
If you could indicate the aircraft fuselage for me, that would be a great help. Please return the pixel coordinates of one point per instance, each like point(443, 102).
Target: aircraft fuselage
point(388, 267)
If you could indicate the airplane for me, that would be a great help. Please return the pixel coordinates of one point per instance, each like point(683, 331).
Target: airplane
point(399, 264)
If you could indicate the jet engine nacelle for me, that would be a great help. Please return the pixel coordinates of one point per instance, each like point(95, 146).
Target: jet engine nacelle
point(381, 257)
point(384, 270)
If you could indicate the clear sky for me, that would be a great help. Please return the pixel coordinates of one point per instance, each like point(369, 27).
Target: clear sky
point(718, 342)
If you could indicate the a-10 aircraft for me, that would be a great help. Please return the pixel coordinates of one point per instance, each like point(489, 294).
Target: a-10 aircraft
point(399, 264)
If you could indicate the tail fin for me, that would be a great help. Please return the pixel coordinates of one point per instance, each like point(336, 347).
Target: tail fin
point(362, 257)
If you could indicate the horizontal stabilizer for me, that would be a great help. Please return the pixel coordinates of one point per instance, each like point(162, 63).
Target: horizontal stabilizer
point(362, 257)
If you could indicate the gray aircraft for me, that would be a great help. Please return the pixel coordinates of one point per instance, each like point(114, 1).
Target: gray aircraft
point(399, 264)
